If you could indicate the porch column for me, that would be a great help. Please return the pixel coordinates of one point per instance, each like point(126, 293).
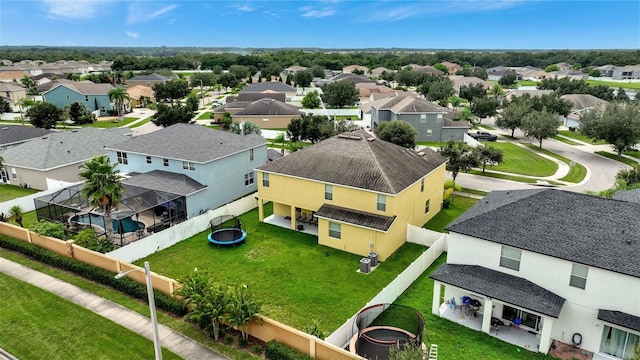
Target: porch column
point(293, 217)
point(435, 304)
point(486, 315)
point(545, 334)
point(260, 210)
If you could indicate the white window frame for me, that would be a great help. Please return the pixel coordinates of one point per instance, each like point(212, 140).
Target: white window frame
point(122, 157)
point(335, 230)
point(429, 132)
point(165, 162)
point(579, 275)
point(189, 166)
point(510, 258)
point(381, 203)
point(148, 159)
point(248, 179)
point(423, 118)
point(265, 180)
point(328, 192)
point(250, 154)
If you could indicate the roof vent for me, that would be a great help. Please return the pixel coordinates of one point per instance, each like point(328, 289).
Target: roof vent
point(421, 153)
point(371, 138)
point(343, 136)
point(4, 128)
point(74, 130)
point(45, 137)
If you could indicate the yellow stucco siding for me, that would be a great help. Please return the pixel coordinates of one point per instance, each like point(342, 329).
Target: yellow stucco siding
point(281, 209)
point(353, 239)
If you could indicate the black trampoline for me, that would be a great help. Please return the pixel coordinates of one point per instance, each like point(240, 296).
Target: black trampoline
point(227, 230)
point(382, 326)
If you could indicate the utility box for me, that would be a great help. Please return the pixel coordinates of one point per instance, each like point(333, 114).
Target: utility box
point(365, 265)
point(374, 259)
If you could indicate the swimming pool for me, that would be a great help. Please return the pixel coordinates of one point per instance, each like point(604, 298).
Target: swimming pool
point(128, 224)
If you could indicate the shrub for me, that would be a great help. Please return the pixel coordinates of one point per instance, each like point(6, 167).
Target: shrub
point(243, 343)
point(93, 273)
point(446, 203)
point(88, 238)
point(448, 184)
point(228, 340)
point(572, 128)
point(276, 351)
point(48, 228)
point(257, 349)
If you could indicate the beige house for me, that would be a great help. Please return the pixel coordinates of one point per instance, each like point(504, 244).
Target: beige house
point(140, 96)
point(351, 68)
point(12, 93)
point(377, 72)
point(452, 67)
point(268, 113)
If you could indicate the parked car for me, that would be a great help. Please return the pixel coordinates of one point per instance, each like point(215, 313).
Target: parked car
point(483, 135)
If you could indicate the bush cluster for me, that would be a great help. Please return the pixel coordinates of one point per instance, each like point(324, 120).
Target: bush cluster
point(93, 273)
point(277, 351)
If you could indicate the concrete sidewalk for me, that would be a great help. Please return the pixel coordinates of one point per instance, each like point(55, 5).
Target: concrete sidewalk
point(169, 339)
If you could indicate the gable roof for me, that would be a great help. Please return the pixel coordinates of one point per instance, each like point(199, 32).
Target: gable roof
point(276, 86)
point(85, 88)
point(628, 195)
point(584, 101)
point(358, 160)
point(136, 91)
point(11, 87)
point(408, 104)
point(63, 148)
point(189, 142)
point(174, 183)
point(459, 81)
point(269, 107)
point(12, 75)
point(354, 78)
point(19, 133)
point(620, 318)
point(253, 96)
point(580, 228)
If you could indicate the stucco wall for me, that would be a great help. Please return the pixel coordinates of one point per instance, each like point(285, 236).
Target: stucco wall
point(38, 179)
point(266, 121)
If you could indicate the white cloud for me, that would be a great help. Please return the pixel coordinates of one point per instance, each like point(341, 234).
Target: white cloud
point(310, 12)
point(132, 34)
point(388, 12)
point(138, 13)
point(245, 8)
point(73, 9)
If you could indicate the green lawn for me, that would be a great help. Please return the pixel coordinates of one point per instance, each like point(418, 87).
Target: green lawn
point(527, 83)
point(296, 279)
point(632, 153)
point(577, 171)
point(504, 176)
point(205, 116)
point(517, 160)
point(138, 124)
point(566, 141)
point(486, 127)
point(10, 192)
point(446, 216)
point(580, 137)
point(435, 144)
point(456, 341)
point(474, 191)
point(614, 84)
point(36, 324)
point(111, 123)
point(615, 157)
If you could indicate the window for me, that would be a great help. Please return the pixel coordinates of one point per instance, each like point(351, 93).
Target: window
point(328, 192)
point(165, 162)
point(122, 158)
point(67, 97)
point(86, 98)
point(14, 176)
point(148, 159)
point(527, 319)
point(251, 155)
point(423, 118)
point(426, 206)
point(382, 202)
point(248, 179)
point(265, 179)
point(429, 132)
point(335, 230)
point(510, 258)
point(422, 185)
point(618, 343)
point(579, 276)
point(439, 118)
point(188, 165)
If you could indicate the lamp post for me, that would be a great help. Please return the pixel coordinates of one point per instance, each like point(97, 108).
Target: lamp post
point(152, 308)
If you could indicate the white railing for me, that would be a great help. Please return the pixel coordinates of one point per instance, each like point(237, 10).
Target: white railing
point(177, 233)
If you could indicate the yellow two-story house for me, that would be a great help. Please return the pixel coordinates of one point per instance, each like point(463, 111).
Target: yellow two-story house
point(358, 193)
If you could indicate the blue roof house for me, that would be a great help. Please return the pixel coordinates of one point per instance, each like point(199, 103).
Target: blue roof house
point(95, 96)
point(207, 168)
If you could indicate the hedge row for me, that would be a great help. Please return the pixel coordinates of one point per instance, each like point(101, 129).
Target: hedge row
point(93, 273)
point(277, 351)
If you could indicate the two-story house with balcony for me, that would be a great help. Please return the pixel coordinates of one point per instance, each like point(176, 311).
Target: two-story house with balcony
point(207, 168)
point(558, 266)
point(355, 192)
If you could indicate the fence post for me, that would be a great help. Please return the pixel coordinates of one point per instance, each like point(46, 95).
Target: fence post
point(69, 244)
point(29, 237)
point(312, 346)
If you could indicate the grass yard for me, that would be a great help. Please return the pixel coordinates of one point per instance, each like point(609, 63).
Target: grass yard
point(108, 124)
point(504, 176)
point(435, 144)
point(615, 157)
point(10, 192)
point(446, 216)
point(614, 84)
point(36, 324)
point(474, 191)
point(580, 137)
point(632, 153)
point(456, 341)
point(486, 127)
point(577, 171)
point(138, 124)
point(517, 160)
point(527, 83)
point(296, 279)
point(566, 141)
point(205, 116)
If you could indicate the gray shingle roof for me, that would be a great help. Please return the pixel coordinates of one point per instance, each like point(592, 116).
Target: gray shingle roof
point(628, 195)
point(63, 148)
point(504, 287)
point(174, 183)
point(584, 101)
point(17, 133)
point(355, 78)
point(355, 217)
point(619, 318)
point(269, 107)
point(253, 96)
point(189, 142)
point(150, 77)
point(273, 154)
point(276, 86)
point(356, 161)
point(580, 228)
point(86, 88)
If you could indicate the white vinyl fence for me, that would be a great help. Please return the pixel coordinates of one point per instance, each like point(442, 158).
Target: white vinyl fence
point(396, 287)
point(26, 202)
point(175, 234)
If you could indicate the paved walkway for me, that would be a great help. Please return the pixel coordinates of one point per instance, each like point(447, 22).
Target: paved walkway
point(172, 340)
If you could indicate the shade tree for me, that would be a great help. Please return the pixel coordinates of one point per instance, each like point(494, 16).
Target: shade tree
point(540, 125)
point(617, 124)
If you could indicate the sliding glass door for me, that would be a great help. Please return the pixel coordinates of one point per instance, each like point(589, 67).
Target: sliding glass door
point(618, 343)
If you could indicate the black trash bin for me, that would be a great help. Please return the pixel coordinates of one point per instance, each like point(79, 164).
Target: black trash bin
point(374, 259)
point(365, 265)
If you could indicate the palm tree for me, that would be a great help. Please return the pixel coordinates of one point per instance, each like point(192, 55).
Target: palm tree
point(15, 214)
point(496, 91)
point(118, 95)
point(242, 309)
point(102, 187)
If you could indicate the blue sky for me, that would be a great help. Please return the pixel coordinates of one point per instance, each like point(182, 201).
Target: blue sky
point(426, 24)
